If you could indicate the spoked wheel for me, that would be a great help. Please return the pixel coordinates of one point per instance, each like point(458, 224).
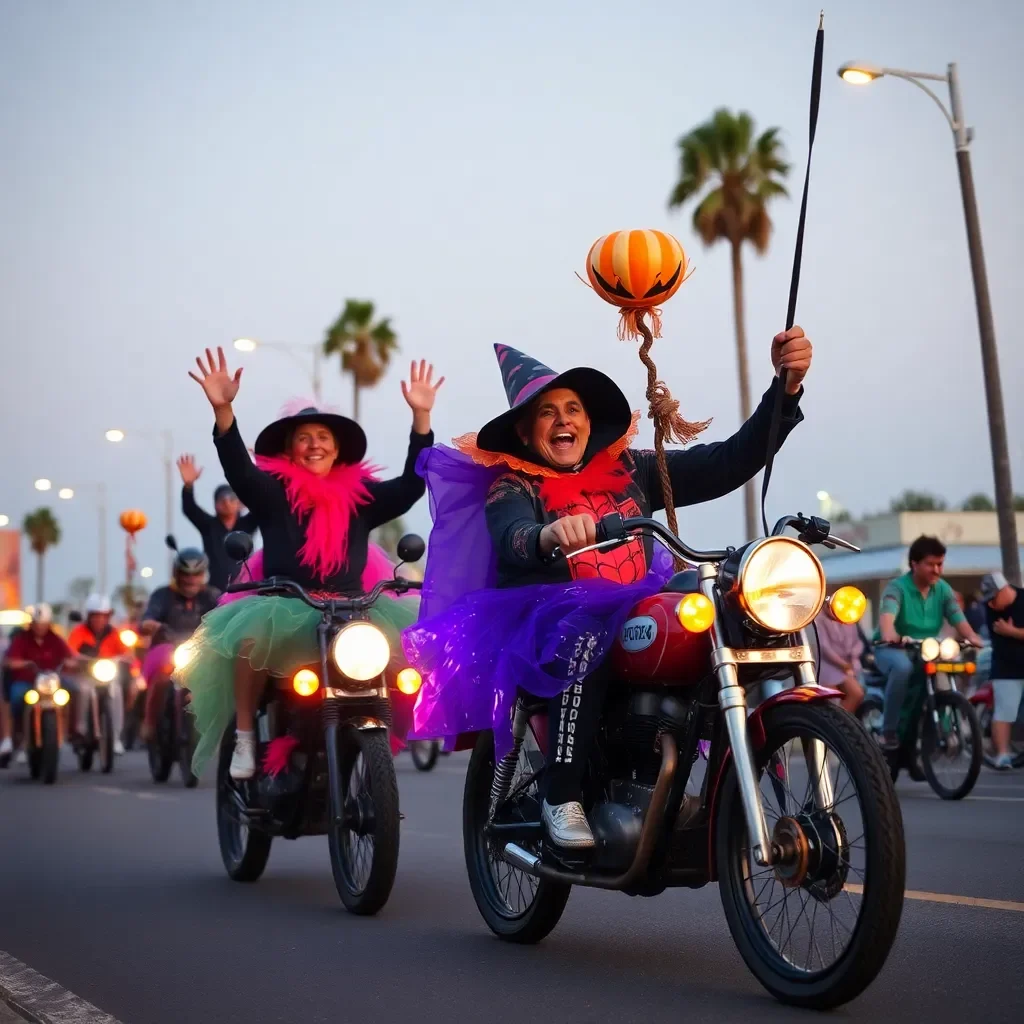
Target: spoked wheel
point(50, 752)
point(244, 850)
point(424, 754)
point(364, 848)
point(106, 739)
point(816, 927)
point(952, 747)
point(516, 906)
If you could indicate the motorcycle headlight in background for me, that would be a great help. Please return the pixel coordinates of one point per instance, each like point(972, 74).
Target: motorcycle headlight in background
point(930, 649)
point(129, 637)
point(361, 651)
point(47, 683)
point(104, 671)
point(949, 649)
point(781, 584)
point(183, 654)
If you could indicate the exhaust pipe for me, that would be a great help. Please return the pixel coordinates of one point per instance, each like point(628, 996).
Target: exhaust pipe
point(520, 858)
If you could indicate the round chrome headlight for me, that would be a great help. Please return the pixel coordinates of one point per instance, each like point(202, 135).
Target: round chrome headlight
point(361, 651)
point(949, 649)
point(930, 649)
point(104, 671)
point(47, 683)
point(781, 584)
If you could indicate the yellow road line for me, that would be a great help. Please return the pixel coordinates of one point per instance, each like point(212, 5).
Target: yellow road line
point(942, 897)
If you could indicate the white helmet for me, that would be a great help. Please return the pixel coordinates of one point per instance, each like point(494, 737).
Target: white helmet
point(98, 604)
point(40, 613)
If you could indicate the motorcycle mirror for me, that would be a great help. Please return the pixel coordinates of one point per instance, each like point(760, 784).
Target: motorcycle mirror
point(238, 545)
point(171, 542)
point(411, 548)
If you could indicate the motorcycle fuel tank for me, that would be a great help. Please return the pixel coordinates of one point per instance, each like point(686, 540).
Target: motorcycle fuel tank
point(653, 647)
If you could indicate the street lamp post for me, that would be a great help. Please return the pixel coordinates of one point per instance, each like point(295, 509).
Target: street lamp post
point(67, 494)
point(167, 439)
point(858, 73)
point(291, 349)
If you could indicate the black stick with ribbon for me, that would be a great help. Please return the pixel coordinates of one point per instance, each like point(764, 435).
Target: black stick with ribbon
point(794, 284)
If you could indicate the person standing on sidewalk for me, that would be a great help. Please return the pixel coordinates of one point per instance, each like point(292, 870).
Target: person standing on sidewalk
point(1005, 610)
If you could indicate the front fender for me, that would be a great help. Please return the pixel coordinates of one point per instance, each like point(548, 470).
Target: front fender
point(756, 733)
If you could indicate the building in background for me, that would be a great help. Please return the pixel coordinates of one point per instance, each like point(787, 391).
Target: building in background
point(971, 539)
point(10, 569)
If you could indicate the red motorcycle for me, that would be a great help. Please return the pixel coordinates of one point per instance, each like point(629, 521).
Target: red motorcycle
point(795, 815)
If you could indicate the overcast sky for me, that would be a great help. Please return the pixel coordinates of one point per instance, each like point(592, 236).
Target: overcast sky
point(175, 174)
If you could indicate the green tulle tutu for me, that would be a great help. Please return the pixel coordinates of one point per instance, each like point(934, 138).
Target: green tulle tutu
point(280, 636)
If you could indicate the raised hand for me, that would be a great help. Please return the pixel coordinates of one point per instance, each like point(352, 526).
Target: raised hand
point(420, 393)
point(217, 380)
point(190, 473)
point(792, 351)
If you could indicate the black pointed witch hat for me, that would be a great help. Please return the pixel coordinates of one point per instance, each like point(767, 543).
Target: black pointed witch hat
point(525, 378)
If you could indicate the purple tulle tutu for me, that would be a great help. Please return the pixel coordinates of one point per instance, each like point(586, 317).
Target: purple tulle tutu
point(476, 645)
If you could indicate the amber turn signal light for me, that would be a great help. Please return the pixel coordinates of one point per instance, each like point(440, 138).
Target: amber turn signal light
point(305, 682)
point(695, 613)
point(409, 681)
point(848, 605)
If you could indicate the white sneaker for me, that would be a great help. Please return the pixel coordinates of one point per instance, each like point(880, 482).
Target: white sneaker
point(21, 757)
point(243, 760)
point(6, 746)
point(118, 747)
point(567, 825)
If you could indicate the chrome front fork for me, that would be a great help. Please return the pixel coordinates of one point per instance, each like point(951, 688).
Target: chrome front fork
point(733, 701)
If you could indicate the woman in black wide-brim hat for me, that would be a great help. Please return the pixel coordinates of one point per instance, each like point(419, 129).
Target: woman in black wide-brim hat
point(315, 502)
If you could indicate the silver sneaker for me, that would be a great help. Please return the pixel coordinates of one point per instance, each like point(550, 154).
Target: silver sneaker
point(567, 825)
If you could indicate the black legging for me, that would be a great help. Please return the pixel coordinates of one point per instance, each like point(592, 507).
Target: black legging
point(573, 718)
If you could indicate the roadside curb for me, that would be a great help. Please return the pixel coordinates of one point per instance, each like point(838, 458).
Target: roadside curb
point(42, 1001)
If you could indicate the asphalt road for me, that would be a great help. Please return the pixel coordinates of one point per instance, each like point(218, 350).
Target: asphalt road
point(114, 888)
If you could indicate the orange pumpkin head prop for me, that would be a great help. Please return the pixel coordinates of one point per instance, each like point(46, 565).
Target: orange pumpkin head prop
point(132, 521)
point(636, 270)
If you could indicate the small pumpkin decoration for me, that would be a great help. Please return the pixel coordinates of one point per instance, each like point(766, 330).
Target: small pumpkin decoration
point(636, 270)
point(132, 521)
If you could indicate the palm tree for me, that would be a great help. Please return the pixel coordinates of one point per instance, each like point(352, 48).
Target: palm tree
point(738, 175)
point(365, 347)
point(43, 532)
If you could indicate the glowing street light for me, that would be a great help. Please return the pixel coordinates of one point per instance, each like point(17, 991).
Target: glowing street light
point(66, 493)
point(245, 345)
point(291, 349)
point(5, 521)
point(42, 484)
point(146, 572)
point(858, 73)
point(114, 436)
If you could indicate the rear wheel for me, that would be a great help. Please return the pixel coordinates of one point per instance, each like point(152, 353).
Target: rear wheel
point(516, 906)
point(952, 746)
point(364, 847)
point(243, 850)
point(845, 862)
point(50, 748)
point(424, 754)
point(106, 739)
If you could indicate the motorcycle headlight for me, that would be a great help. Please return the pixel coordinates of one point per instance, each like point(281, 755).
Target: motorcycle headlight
point(930, 649)
point(781, 584)
point(361, 651)
point(47, 683)
point(104, 671)
point(949, 649)
point(183, 654)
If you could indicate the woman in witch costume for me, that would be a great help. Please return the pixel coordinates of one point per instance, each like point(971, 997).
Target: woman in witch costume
point(500, 611)
point(315, 502)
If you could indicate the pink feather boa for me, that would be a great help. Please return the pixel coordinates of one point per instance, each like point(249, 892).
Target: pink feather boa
point(326, 503)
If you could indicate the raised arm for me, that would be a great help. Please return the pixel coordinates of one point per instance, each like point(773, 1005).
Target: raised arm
point(393, 498)
point(190, 473)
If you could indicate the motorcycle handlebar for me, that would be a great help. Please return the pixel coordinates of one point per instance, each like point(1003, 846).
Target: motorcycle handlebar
point(614, 529)
point(355, 604)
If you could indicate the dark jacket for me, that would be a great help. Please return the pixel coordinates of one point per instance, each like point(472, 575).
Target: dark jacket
point(179, 616)
point(284, 533)
point(213, 532)
point(516, 514)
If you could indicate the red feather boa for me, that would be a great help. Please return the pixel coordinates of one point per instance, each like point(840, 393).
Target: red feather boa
point(603, 474)
point(325, 504)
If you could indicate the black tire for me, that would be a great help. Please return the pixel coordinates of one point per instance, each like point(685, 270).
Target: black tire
point(956, 703)
point(371, 791)
point(187, 747)
point(867, 714)
point(884, 876)
point(50, 750)
point(243, 850)
point(106, 745)
point(161, 746)
point(424, 754)
point(35, 754)
point(536, 921)
point(86, 752)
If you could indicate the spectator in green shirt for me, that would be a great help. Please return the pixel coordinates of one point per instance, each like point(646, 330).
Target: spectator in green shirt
point(914, 606)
